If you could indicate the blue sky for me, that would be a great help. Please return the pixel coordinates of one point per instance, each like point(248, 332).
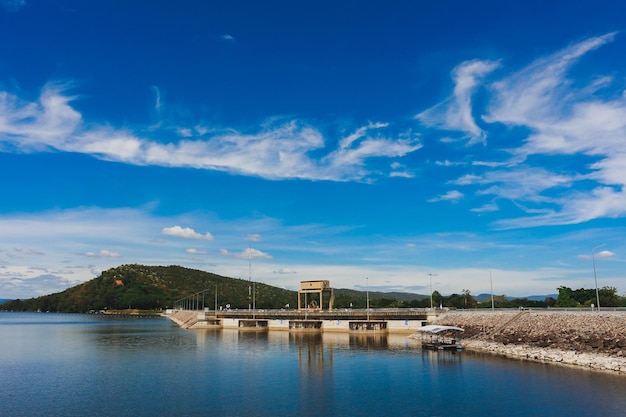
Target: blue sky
point(364, 142)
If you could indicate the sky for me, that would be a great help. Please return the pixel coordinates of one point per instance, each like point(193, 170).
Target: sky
point(382, 145)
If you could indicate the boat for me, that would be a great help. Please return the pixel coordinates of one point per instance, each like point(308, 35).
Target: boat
point(435, 337)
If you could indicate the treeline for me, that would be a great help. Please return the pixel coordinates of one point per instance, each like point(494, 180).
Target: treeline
point(586, 297)
point(464, 300)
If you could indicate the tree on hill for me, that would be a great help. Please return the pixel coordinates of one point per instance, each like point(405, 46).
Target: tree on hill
point(152, 288)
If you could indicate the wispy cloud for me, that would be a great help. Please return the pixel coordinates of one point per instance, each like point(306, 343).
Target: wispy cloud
point(278, 150)
point(157, 98)
point(540, 94)
point(521, 183)
point(186, 233)
point(253, 237)
point(12, 5)
point(28, 251)
point(564, 118)
point(456, 112)
point(486, 208)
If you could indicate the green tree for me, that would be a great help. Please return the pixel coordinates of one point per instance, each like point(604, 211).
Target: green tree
point(609, 297)
point(565, 298)
point(437, 298)
point(468, 300)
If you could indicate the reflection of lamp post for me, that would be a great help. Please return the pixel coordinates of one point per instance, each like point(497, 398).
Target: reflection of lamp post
point(367, 290)
point(593, 259)
point(431, 289)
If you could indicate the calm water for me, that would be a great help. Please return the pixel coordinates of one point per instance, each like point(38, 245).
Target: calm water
point(77, 365)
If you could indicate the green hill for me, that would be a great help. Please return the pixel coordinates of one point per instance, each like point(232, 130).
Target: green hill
point(153, 288)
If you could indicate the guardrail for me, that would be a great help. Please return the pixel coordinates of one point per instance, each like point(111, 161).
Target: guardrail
point(361, 314)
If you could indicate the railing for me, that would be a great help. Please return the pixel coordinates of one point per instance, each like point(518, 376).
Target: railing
point(360, 314)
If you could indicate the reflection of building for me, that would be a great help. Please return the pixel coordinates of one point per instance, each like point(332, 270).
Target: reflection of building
point(313, 354)
point(315, 295)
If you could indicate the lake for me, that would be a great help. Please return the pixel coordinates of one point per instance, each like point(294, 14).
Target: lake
point(89, 365)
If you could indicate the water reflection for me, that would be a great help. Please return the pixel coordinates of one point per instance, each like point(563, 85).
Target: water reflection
point(133, 335)
point(163, 370)
point(367, 342)
point(313, 354)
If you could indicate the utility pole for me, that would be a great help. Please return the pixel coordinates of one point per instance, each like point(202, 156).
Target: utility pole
point(250, 278)
point(493, 308)
point(595, 277)
point(430, 275)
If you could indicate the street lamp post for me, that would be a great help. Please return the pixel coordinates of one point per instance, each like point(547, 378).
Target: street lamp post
point(493, 307)
point(431, 288)
point(595, 277)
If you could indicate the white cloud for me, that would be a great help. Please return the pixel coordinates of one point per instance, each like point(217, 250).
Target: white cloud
point(194, 251)
point(455, 113)
point(355, 149)
point(248, 253)
point(285, 271)
point(401, 174)
point(253, 237)
point(533, 96)
point(281, 149)
point(577, 207)
point(565, 119)
point(399, 170)
point(568, 121)
point(102, 254)
point(449, 196)
point(599, 255)
point(185, 233)
point(447, 163)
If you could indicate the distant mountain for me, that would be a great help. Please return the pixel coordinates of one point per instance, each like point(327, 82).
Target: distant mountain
point(400, 296)
point(4, 300)
point(487, 297)
point(540, 297)
point(153, 288)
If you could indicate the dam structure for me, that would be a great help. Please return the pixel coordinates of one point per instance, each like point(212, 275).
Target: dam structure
point(315, 313)
point(345, 320)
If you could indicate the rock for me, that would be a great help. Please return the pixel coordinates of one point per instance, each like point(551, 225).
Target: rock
point(593, 340)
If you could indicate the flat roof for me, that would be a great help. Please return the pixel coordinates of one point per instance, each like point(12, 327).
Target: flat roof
point(433, 328)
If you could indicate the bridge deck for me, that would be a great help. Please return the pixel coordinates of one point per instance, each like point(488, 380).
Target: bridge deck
point(343, 314)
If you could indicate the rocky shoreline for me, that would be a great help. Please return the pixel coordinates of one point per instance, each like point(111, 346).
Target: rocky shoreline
point(585, 339)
